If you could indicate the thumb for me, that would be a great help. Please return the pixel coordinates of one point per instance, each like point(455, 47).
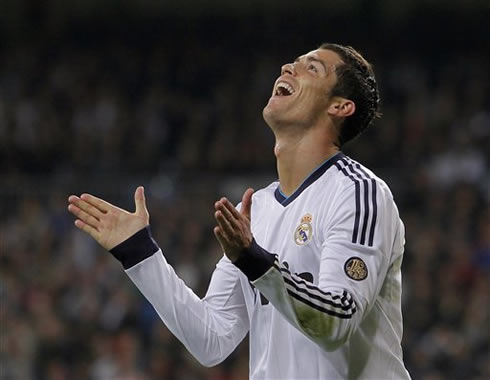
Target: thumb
point(247, 203)
point(140, 202)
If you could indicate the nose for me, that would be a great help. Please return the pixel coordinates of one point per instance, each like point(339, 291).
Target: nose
point(288, 68)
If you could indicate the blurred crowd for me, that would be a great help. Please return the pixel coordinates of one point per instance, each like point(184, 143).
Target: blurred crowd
point(183, 118)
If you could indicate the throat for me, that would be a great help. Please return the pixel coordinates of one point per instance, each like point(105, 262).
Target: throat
point(296, 164)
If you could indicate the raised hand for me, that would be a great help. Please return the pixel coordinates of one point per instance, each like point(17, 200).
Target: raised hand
point(233, 230)
point(107, 224)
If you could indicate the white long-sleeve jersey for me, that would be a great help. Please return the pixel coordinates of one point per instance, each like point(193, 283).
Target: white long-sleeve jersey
point(319, 291)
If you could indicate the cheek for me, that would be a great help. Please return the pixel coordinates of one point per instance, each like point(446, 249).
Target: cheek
point(314, 99)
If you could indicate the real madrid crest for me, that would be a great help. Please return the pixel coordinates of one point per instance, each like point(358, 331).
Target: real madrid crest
point(304, 232)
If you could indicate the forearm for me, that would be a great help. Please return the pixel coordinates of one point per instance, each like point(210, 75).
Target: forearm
point(327, 316)
point(209, 334)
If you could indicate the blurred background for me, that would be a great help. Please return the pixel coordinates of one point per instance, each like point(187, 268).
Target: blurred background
point(101, 96)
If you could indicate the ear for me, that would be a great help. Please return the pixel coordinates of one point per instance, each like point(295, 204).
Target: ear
point(341, 107)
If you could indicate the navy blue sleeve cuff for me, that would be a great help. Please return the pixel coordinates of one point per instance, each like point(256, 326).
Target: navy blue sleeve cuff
point(135, 249)
point(255, 261)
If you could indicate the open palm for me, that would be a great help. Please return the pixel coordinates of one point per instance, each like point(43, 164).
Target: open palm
point(107, 224)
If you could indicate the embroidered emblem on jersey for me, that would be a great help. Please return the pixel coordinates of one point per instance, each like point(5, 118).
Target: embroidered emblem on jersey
point(304, 232)
point(356, 269)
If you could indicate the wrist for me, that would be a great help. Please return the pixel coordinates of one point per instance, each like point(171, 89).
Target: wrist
point(254, 261)
point(135, 249)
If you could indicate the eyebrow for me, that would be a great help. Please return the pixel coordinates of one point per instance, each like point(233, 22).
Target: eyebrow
point(313, 59)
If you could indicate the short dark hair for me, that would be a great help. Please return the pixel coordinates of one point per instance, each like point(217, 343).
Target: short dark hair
point(356, 82)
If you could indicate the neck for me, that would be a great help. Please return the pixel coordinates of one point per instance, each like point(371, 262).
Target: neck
point(298, 155)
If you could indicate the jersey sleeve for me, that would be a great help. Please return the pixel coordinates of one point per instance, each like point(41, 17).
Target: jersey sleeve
point(350, 276)
point(210, 328)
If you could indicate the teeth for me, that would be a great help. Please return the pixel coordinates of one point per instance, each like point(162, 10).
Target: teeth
point(285, 86)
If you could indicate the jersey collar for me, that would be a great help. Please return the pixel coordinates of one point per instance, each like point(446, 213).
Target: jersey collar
point(312, 177)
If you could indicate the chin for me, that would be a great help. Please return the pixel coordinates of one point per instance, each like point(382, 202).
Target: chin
point(269, 115)
point(278, 116)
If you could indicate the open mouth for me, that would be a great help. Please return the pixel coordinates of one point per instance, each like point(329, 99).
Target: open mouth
point(284, 89)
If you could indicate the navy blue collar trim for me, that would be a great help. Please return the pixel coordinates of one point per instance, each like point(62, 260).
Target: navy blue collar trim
point(317, 173)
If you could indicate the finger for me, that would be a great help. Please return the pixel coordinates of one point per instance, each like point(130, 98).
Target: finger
point(247, 203)
point(87, 228)
point(83, 216)
point(230, 207)
point(231, 215)
point(223, 223)
point(87, 207)
point(140, 201)
point(96, 202)
point(223, 241)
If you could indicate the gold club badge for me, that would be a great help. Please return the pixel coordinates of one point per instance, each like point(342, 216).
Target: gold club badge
point(356, 268)
point(304, 232)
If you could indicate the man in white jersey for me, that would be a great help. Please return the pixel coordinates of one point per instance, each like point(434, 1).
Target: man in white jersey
point(311, 265)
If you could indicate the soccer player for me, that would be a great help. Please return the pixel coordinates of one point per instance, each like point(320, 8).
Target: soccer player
point(311, 265)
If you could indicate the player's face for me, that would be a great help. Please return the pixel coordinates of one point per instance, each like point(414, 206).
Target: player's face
point(302, 93)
